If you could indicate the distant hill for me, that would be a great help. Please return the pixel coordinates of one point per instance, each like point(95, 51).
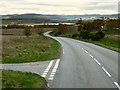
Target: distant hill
point(42, 18)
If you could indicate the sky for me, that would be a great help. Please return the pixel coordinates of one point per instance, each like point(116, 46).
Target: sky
point(66, 7)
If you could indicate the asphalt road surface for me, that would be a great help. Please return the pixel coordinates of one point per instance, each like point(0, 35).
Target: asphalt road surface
point(85, 65)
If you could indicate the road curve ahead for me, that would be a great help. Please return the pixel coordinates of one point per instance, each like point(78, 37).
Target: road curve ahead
point(85, 65)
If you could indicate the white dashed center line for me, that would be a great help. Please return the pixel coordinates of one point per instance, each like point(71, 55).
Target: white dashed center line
point(97, 61)
point(83, 48)
point(106, 71)
point(86, 51)
point(117, 85)
point(90, 55)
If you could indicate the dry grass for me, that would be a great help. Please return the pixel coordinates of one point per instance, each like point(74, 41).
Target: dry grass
point(19, 49)
point(21, 31)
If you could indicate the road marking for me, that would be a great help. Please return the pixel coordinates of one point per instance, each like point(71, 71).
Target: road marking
point(52, 73)
point(50, 78)
point(47, 69)
point(97, 62)
point(106, 71)
point(54, 70)
point(90, 55)
point(117, 85)
point(63, 51)
point(83, 48)
point(48, 85)
point(44, 73)
point(86, 51)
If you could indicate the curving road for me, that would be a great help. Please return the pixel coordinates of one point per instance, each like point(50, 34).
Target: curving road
point(85, 65)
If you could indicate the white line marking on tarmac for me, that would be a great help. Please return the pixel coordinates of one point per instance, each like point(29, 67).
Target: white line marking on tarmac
point(97, 62)
point(63, 51)
point(52, 73)
point(50, 78)
point(47, 69)
point(44, 73)
point(54, 70)
point(90, 55)
point(86, 51)
point(83, 48)
point(117, 85)
point(106, 71)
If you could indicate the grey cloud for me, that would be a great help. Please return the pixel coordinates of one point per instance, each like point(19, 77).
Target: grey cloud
point(55, 5)
point(103, 7)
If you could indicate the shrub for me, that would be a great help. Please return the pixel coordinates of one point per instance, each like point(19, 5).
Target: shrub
point(69, 35)
point(84, 34)
point(74, 35)
point(56, 34)
point(27, 31)
point(62, 28)
point(98, 36)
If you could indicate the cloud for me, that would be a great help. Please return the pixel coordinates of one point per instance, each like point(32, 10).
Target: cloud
point(59, 7)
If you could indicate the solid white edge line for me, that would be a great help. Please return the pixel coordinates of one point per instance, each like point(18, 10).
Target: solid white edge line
point(48, 85)
point(63, 51)
point(117, 85)
point(90, 55)
point(106, 71)
point(97, 62)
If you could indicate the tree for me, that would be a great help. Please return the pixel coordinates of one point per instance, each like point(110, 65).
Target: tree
point(27, 31)
point(80, 23)
point(62, 28)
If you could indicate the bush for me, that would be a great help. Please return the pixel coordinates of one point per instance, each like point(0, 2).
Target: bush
point(56, 34)
point(98, 36)
point(62, 28)
point(74, 35)
point(27, 31)
point(84, 34)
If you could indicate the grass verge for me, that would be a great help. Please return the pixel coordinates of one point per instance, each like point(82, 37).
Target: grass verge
point(109, 43)
point(29, 49)
point(17, 79)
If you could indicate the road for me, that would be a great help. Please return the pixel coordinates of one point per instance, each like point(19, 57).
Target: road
point(85, 65)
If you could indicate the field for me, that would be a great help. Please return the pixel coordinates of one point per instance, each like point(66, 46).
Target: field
point(17, 79)
point(21, 49)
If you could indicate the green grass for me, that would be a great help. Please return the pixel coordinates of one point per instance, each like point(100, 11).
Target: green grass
point(105, 42)
point(32, 49)
point(17, 79)
point(109, 33)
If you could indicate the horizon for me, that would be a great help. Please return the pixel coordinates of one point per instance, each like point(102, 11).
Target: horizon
point(59, 14)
